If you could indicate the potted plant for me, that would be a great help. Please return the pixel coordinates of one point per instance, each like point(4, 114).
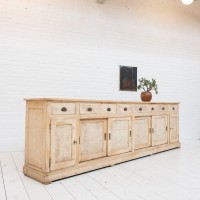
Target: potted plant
point(147, 86)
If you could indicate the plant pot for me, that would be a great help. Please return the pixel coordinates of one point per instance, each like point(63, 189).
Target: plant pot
point(146, 96)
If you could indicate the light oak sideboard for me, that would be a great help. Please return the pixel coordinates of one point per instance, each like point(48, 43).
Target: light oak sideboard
point(65, 137)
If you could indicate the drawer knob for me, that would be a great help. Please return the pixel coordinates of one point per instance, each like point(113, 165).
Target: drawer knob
point(173, 108)
point(140, 109)
point(152, 108)
point(89, 109)
point(108, 109)
point(125, 109)
point(63, 109)
point(163, 108)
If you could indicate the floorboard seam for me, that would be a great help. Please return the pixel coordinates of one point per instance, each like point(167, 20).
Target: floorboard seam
point(87, 189)
point(69, 191)
point(48, 193)
point(3, 181)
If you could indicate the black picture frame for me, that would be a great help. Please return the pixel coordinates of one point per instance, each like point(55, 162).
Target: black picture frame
point(128, 78)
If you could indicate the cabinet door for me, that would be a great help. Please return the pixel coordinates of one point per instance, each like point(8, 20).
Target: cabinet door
point(93, 134)
point(159, 130)
point(63, 143)
point(119, 130)
point(174, 128)
point(142, 132)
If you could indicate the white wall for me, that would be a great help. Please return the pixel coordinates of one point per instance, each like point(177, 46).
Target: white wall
point(73, 49)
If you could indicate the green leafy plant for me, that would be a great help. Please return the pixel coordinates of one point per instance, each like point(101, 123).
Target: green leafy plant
point(148, 85)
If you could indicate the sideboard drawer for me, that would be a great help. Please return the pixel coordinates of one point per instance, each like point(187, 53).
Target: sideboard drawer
point(163, 108)
point(90, 108)
point(152, 108)
point(173, 108)
point(63, 108)
point(139, 108)
point(124, 108)
point(108, 108)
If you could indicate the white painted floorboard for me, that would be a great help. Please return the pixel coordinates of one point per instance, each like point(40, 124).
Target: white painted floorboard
point(171, 175)
point(2, 189)
point(14, 186)
point(34, 189)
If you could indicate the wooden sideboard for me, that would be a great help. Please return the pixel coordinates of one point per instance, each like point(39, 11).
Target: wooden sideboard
point(65, 137)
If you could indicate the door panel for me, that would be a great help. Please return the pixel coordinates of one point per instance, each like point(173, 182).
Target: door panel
point(159, 130)
point(63, 143)
point(93, 135)
point(119, 130)
point(141, 132)
point(174, 129)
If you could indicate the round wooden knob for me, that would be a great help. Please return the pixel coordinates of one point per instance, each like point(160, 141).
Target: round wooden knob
point(163, 108)
point(108, 109)
point(89, 109)
point(173, 108)
point(125, 109)
point(63, 109)
point(140, 109)
point(152, 108)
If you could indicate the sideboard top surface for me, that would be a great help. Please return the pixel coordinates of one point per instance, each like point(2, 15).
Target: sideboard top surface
point(95, 101)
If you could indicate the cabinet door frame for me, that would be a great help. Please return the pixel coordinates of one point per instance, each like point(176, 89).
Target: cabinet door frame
point(126, 150)
point(172, 128)
point(153, 143)
point(104, 139)
point(64, 164)
point(146, 145)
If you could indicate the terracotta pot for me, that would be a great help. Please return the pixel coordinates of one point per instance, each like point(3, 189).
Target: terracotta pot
point(146, 96)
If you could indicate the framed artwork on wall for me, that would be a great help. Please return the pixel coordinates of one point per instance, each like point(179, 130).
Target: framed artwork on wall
point(128, 78)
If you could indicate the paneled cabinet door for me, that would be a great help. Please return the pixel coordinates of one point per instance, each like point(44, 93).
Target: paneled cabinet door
point(119, 135)
point(63, 143)
point(93, 135)
point(142, 132)
point(174, 129)
point(159, 130)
